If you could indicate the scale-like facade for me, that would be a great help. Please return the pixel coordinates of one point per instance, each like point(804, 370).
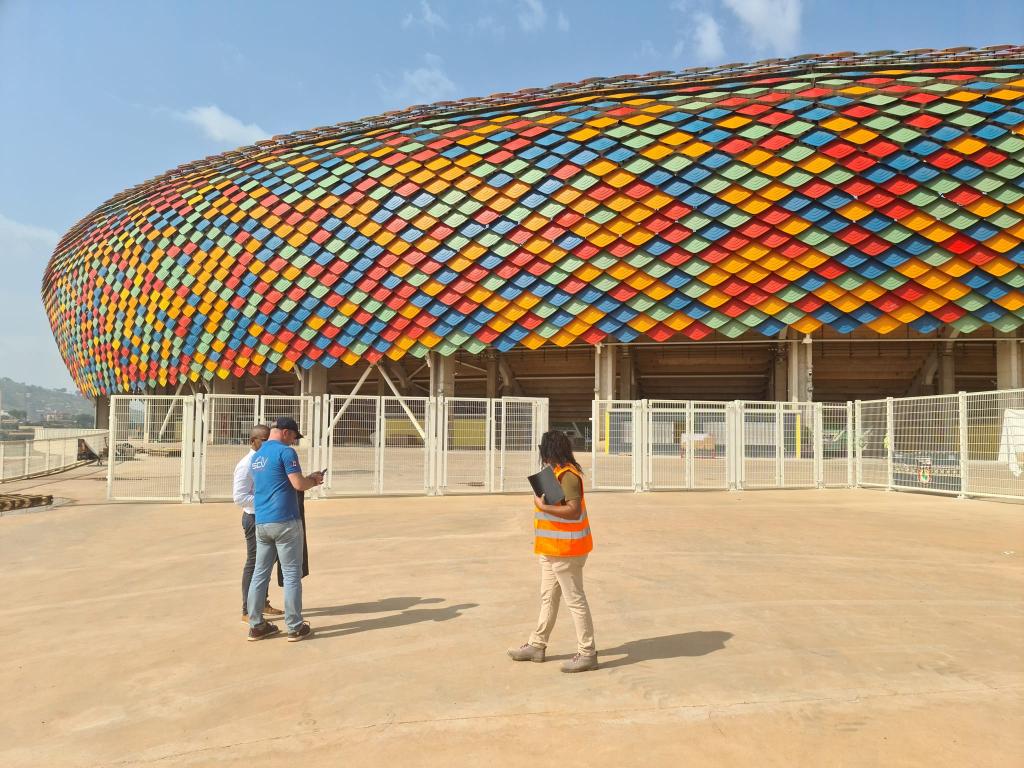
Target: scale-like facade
point(880, 190)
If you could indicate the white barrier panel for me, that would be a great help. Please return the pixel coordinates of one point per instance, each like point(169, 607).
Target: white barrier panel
point(150, 448)
point(227, 421)
point(59, 449)
point(687, 445)
point(968, 444)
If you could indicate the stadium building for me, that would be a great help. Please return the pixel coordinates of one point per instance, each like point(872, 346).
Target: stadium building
point(818, 228)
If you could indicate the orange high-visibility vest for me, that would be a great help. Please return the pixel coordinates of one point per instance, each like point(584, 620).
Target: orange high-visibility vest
point(558, 537)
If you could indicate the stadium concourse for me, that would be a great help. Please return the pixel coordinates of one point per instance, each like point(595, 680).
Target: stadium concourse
point(773, 629)
point(827, 228)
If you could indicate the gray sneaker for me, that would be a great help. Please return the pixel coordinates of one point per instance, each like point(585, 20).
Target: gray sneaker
point(580, 663)
point(527, 652)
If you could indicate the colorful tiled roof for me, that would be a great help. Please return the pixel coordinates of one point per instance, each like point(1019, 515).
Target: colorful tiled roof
point(879, 190)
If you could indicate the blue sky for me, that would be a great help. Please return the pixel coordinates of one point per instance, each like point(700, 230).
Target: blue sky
point(101, 95)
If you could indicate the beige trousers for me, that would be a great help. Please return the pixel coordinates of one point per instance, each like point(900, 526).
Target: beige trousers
point(563, 576)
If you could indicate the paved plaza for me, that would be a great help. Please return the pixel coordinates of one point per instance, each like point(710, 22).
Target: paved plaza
point(771, 628)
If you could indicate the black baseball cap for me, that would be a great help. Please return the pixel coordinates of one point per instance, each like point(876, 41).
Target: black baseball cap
point(287, 422)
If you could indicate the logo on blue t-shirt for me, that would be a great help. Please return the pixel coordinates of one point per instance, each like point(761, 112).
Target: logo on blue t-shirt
point(274, 498)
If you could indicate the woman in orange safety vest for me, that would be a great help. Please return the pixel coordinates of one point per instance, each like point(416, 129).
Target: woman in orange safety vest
point(562, 539)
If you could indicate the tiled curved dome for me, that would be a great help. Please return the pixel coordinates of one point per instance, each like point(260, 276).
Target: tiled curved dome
point(881, 189)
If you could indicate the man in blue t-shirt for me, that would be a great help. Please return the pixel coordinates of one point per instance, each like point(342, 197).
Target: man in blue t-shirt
point(276, 477)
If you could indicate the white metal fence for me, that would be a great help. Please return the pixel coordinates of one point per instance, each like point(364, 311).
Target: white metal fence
point(186, 448)
point(41, 455)
point(968, 444)
point(690, 445)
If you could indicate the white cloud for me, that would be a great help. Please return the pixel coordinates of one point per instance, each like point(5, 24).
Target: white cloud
point(647, 50)
point(222, 127)
point(27, 349)
point(422, 85)
point(700, 36)
point(563, 21)
point(532, 15)
point(707, 38)
point(773, 25)
point(427, 17)
point(489, 25)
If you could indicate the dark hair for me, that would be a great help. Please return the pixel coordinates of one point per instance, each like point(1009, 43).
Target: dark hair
point(555, 448)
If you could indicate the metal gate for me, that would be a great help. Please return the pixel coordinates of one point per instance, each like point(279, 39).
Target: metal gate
point(616, 458)
point(226, 422)
point(489, 445)
point(779, 445)
point(688, 445)
point(150, 448)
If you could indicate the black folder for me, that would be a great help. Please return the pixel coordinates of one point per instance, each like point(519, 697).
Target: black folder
point(545, 484)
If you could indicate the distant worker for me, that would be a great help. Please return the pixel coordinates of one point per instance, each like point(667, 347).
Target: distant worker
point(562, 539)
point(276, 478)
point(242, 493)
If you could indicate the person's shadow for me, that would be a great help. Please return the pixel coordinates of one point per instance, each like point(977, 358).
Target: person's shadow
point(665, 647)
point(406, 617)
point(386, 605)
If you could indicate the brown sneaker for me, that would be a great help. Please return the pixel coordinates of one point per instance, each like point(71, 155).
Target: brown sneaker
point(301, 633)
point(580, 663)
point(527, 652)
point(269, 610)
point(245, 618)
point(266, 629)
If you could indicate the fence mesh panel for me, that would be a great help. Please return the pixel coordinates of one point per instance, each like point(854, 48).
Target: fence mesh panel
point(518, 426)
point(352, 446)
point(872, 444)
point(145, 451)
point(22, 458)
point(612, 450)
point(467, 445)
point(671, 443)
point(926, 444)
point(995, 443)
point(837, 441)
point(227, 422)
point(404, 428)
point(301, 409)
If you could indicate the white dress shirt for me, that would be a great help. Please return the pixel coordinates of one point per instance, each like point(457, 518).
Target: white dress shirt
point(242, 488)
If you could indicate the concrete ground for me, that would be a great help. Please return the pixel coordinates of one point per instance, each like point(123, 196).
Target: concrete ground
point(804, 628)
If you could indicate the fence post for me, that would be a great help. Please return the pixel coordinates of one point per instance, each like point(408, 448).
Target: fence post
point(961, 401)
point(819, 446)
point(851, 477)
point(736, 451)
point(111, 446)
point(594, 436)
point(890, 435)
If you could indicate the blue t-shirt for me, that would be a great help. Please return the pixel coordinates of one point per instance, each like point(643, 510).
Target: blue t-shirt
point(274, 498)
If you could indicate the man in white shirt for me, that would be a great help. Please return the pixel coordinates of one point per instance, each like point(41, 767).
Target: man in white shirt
point(242, 493)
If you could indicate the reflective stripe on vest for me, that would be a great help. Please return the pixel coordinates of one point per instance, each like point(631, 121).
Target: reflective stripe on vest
point(557, 537)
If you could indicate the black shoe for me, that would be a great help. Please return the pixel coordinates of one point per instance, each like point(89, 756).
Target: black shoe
point(266, 629)
point(301, 633)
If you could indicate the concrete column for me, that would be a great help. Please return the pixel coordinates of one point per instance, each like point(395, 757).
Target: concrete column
point(442, 375)
point(491, 364)
point(780, 369)
point(1009, 371)
point(626, 374)
point(801, 371)
point(604, 372)
point(229, 386)
point(313, 381)
point(946, 380)
point(102, 411)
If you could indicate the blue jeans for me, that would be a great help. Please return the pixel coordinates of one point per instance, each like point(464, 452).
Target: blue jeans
point(283, 541)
